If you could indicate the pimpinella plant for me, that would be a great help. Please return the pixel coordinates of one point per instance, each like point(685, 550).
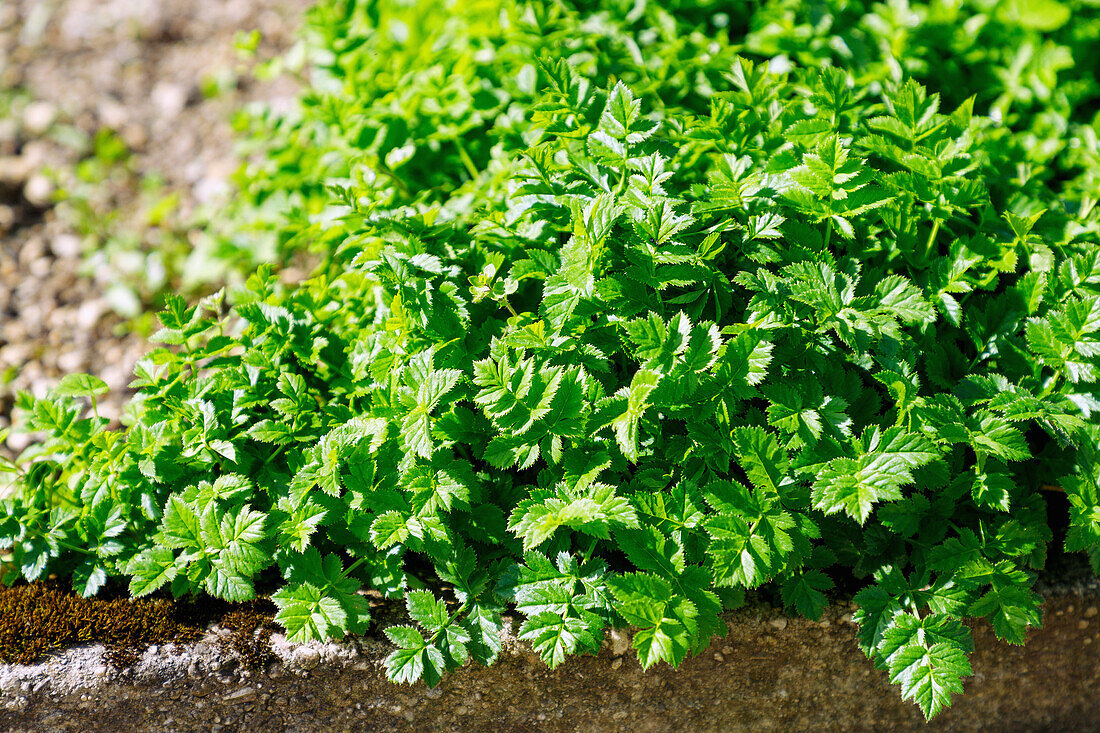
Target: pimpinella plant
point(651, 357)
point(430, 95)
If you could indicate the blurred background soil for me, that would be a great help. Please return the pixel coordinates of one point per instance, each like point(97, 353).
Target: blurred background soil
point(162, 75)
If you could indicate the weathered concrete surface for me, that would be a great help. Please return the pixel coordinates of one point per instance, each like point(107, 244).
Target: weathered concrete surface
point(769, 673)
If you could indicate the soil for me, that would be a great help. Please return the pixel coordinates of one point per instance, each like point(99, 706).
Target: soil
point(136, 67)
point(770, 673)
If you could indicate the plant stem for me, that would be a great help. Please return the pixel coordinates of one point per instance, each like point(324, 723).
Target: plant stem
point(589, 551)
point(466, 159)
point(348, 570)
point(931, 239)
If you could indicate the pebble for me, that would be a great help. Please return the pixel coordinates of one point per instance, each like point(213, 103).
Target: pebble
point(778, 623)
point(616, 663)
point(14, 169)
point(620, 642)
point(306, 657)
point(1082, 624)
point(66, 245)
point(112, 114)
point(718, 657)
point(245, 694)
point(1091, 611)
point(169, 98)
point(38, 117)
point(39, 190)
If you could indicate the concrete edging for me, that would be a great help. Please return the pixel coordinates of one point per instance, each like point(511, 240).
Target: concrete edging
point(769, 673)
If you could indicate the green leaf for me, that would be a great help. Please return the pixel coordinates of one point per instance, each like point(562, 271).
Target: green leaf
point(308, 614)
point(553, 636)
point(930, 675)
point(414, 659)
point(150, 570)
point(81, 385)
point(804, 592)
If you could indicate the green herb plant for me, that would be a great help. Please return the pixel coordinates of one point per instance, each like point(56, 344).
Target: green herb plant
point(617, 349)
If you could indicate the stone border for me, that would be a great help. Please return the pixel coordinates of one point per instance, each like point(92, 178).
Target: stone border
point(769, 673)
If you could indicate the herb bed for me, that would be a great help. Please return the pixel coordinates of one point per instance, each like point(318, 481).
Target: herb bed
point(608, 342)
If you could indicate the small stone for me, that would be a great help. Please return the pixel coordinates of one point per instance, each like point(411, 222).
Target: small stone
point(306, 657)
point(1082, 624)
point(134, 136)
point(99, 670)
point(245, 694)
point(169, 98)
point(14, 169)
point(112, 114)
point(617, 662)
point(38, 191)
point(620, 642)
point(718, 657)
point(727, 650)
point(154, 649)
point(38, 117)
point(779, 623)
point(66, 246)
point(193, 669)
point(1091, 611)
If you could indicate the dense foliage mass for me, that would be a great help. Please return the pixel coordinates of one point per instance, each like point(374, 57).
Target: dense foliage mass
point(626, 309)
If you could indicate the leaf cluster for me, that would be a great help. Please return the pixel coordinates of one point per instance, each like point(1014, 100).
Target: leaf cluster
point(619, 322)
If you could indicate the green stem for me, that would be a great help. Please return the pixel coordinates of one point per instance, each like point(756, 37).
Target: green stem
point(466, 159)
point(74, 548)
point(348, 570)
point(508, 305)
point(589, 551)
point(828, 233)
point(395, 179)
point(931, 239)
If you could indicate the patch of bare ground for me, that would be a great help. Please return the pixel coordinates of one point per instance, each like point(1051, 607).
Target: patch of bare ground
point(71, 68)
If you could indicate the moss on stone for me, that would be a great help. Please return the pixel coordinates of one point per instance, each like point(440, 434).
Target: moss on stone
point(38, 617)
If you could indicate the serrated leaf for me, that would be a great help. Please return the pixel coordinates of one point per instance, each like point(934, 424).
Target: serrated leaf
point(930, 675)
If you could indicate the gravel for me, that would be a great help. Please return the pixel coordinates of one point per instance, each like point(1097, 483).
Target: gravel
point(134, 66)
